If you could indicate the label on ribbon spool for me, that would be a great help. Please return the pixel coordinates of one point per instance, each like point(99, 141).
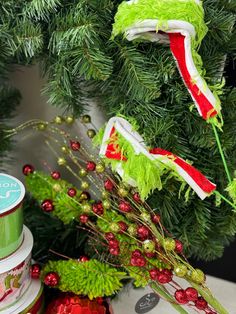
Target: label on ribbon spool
point(12, 192)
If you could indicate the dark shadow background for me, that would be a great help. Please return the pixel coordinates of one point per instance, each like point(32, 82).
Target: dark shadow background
point(224, 267)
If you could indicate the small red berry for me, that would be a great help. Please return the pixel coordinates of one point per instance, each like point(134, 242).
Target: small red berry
point(143, 232)
point(114, 251)
point(35, 271)
point(75, 145)
point(163, 278)
point(71, 192)
point(109, 236)
point(98, 208)
point(84, 218)
point(113, 243)
point(51, 279)
point(55, 175)
point(141, 262)
point(153, 273)
point(136, 253)
point(90, 166)
point(123, 226)
point(27, 169)
point(150, 254)
point(125, 207)
point(156, 218)
point(192, 294)
point(108, 185)
point(84, 259)
point(178, 246)
point(200, 303)
point(181, 297)
point(47, 206)
point(136, 197)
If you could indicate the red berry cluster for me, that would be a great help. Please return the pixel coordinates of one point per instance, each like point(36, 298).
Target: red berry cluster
point(98, 208)
point(114, 245)
point(47, 206)
point(137, 259)
point(90, 166)
point(163, 276)
point(123, 226)
point(51, 279)
point(125, 207)
point(143, 232)
point(109, 185)
point(190, 294)
point(75, 145)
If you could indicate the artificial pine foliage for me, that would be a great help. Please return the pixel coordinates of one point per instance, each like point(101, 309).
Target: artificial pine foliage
point(72, 41)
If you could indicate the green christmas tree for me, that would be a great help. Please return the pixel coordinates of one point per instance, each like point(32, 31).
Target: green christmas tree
point(72, 41)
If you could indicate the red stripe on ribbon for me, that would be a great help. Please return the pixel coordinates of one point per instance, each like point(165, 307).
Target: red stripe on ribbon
point(206, 185)
point(178, 49)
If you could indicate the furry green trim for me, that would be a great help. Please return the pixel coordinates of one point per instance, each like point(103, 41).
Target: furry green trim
point(92, 278)
point(163, 10)
point(231, 189)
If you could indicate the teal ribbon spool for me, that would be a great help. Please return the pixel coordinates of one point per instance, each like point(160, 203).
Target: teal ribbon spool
point(12, 192)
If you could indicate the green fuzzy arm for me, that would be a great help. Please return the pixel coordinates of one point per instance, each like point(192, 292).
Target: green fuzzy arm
point(92, 278)
point(42, 187)
point(162, 10)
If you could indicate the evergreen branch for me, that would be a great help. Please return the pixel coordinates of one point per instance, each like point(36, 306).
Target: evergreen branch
point(40, 9)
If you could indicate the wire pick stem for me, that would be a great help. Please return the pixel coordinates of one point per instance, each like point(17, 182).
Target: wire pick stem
point(221, 152)
point(225, 199)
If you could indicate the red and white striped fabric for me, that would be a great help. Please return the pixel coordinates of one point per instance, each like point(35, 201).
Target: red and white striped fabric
point(110, 149)
point(178, 35)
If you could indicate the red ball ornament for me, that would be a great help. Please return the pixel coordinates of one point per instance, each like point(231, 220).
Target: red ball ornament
point(84, 259)
point(192, 294)
point(47, 206)
point(84, 218)
point(181, 297)
point(55, 175)
point(154, 272)
point(35, 271)
point(114, 251)
point(178, 246)
point(74, 145)
point(68, 303)
point(143, 232)
point(114, 243)
point(27, 169)
point(109, 236)
point(200, 303)
point(90, 166)
point(123, 226)
point(136, 197)
point(108, 185)
point(125, 207)
point(71, 192)
point(156, 218)
point(51, 279)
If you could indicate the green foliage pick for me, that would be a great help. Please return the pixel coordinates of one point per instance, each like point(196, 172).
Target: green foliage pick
point(91, 278)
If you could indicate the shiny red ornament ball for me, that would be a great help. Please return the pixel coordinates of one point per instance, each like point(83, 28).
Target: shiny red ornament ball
point(69, 303)
point(84, 259)
point(181, 297)
point(178, 246)
point(136, 197)
point(108, 185)
point(109, 236)
point(154, 272)
point(35, 271)
point(143, 232)
point(123, 226)
point(27, 169)
point(156, 218)
point(90, 166)
point(74, 145)
point(200, 303)
point(47, 206)
point(125, 207)
point(83, 218)
point(192, 294)
point(55, 175)
point(71, 192)
point(51, 279)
